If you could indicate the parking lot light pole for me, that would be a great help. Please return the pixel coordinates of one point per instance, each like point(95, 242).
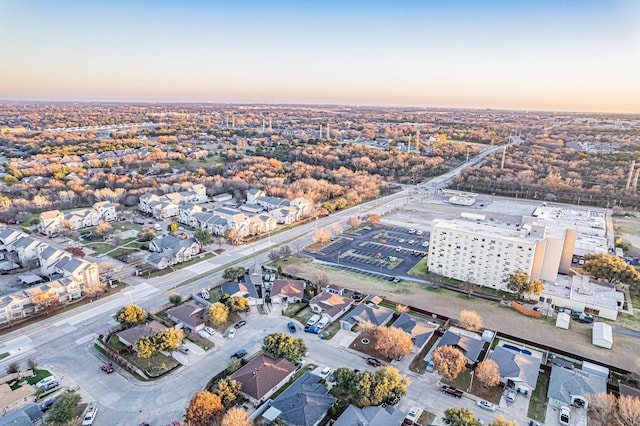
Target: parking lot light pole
point(338, 258)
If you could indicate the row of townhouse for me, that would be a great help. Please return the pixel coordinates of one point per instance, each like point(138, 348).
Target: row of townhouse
point(52, 221)
point(170, 250)
point(69, 276)
point(166, 206)
point(250, 219)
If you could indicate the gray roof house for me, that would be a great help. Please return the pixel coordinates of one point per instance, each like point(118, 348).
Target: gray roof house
point(234, 288)
point(28, 415)
point(377, 315)
point(371, 416)
point(469, 346)
point(516, 367)
point(569, 385)
point(188, 314)
point(304, 403)
point(420, 329)
point(131, 335)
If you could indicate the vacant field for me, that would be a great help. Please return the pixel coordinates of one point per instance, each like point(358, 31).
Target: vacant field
point(628, 228)
point(495, 316)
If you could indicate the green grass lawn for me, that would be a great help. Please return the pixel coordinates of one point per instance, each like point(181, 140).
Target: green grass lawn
point(538, 402)
point(4, 355)
point(40, 374)
point(115, 343)
point(461, 382)
point(99, 248)
point(125, 226)
point(421, 269)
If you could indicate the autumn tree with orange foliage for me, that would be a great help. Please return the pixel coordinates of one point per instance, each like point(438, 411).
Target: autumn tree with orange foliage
point(448, 361)
point(203, 407)
point(392, 342)
point(236, 417)
point(488, 373)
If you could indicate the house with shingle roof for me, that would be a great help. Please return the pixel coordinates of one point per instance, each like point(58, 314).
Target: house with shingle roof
point(376, 315)
point(246, 289)
point(332, 305)
point(9, 236)
point(304, 403)
point(468, 343)
point(189, 314)
point(287, 290)
point(27, 250)
point(569, 385)
point(48, 257)
point(176, 250)
point(262, 376)
point(419, 329)
point(517, 369)
point(131, 335)
point(370, 416)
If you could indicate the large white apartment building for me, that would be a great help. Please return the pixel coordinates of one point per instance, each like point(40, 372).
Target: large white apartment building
point(486, 252)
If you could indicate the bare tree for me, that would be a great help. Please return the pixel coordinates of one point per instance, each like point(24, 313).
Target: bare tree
point(629, 410)
point(367, 327)
point(32, 363)
point(353, 221)
point(402, 309)
point(321, 279)
point(470, 320)
point(602, 409)
point(13, 367)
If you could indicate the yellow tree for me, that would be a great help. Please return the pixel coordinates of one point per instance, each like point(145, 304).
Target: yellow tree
point(217, 313)
point(238, 304)
point(470, 320)
point(501, 421)
point(236, 417)
point(448, 361)
point(392, 342)
point(146, 347)
point(203, 407)
point(228, 391)
point(169, 339)
point(488, 373)
point(131, 315)
point(103, 228)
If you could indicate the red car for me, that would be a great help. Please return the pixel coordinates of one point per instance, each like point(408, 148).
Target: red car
point(107, 367)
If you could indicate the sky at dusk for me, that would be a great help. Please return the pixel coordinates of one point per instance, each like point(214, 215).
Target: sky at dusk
point(580, 55)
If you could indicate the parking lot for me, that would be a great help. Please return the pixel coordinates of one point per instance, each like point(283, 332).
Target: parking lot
point(384, 251)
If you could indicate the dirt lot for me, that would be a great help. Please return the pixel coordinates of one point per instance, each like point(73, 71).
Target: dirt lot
point(629, 229)
point(497, 317)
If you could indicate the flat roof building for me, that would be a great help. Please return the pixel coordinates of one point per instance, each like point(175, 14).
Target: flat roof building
point(580, 293)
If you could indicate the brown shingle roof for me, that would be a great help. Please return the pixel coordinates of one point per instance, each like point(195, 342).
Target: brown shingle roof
point(133, 334)
point(261, 374)
point(291, 288)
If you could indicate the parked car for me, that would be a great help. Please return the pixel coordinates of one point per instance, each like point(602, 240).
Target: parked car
point(210, 330)
point(232, 333)
point(412, 416)
point(378, 255)
point(565, 416)
point(419, 232)
point(44, 381)
point(239, 354)
point(49, 386)
point(107, 367)
point(240, 324)
point(292, 327)
point(430, 367)
point(90, 415)
point(486, 405)
point(47, 404)
point(450, 390)
point(204, 334)
point(325, 372)
point(511, 395)
point(374, 362)
point(184, 349)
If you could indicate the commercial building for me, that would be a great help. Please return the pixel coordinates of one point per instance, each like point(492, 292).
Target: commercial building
point(579, 293)
point(486, 252)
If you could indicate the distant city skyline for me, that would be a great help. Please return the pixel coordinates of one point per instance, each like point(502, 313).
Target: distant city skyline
point(504, 54)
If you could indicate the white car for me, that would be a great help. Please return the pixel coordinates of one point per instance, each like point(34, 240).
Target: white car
point(204, 334)
point(486, 405)
point(325, 372)
point(419, 232)
point(412, 416)
point(565, 416)
point(232, 333)
point(210, 330)
point(90, 415)
point(44, 382)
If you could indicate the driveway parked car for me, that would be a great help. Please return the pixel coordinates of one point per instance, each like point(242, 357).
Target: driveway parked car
point(232, 333)
point(325, 372)
point(292, 327)
point(240, 324)
point(565, 416)
point(210, 330)
point(50, 385)
point(374, 362)
point(184, 349)
point(486, 405)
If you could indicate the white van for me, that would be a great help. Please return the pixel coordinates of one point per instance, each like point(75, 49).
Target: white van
point(157, 227)
point(323, 322)
point(313, 320)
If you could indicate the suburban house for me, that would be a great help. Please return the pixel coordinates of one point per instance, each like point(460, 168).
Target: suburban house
point(330, 304)
point(262, 376)
point(187, 212)
point(290, 291)
point(285, 215)
point(80, 270)
point(334, 289)
point(131, 335)
point(9, 236)
point(469, 344)
point(370, 416)
point(517, 369)
point(26, 249)
point(222, 198)
point(569, 386)
point(189, 315)
point(261, 223)
point(18, 407)
point(374, 314)
point(176, 250)
point(419, 329)
point(304, 403)
point(244, 289)
point(52, 222)
point(48, 257)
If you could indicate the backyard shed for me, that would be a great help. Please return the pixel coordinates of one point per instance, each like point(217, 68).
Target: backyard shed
point(563, 320)
point(602, 335)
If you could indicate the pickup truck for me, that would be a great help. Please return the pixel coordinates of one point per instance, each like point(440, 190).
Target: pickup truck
point(450, 390)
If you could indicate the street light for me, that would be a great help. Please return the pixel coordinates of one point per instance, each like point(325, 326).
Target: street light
point(338, 258)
